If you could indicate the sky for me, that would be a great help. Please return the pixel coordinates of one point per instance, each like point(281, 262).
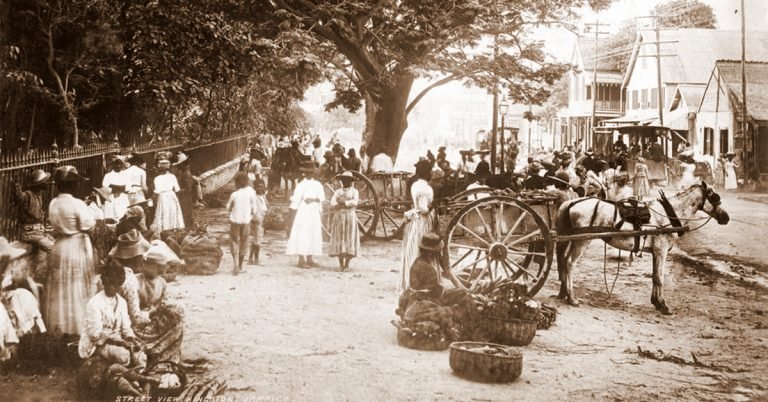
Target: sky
point(559, 42)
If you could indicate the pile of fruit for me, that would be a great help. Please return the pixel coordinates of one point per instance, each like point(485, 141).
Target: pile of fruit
point(503, 298)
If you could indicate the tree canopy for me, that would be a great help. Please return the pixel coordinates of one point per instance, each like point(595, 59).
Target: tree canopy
point(376, 49)
point(77, 71)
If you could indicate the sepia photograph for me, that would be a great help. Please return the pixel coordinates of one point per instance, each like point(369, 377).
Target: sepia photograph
point(383, 200)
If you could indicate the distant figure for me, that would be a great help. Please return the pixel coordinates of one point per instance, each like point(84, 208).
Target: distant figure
point(168, 214)
point(345, 234)
point(268, 143)
point(136, 179)
point(353, 162)
point(117, 168)
point(418, 220)
point(32, 214)
point(642, 186)
point(730, 173)
point(242, 209)
point(187, 189)
point(622, 190)
point(318, 151)
point(257, 223)
point(306, 238)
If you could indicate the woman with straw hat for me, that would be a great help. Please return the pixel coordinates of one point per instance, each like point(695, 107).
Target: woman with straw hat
point(306, 238)
point(168, 214)
point(345, 234)
point(71, 281)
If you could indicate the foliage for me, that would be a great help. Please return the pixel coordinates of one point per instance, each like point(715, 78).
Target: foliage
point(673, 14)
point(557, 100)
point(378, 48)
point(143, 70)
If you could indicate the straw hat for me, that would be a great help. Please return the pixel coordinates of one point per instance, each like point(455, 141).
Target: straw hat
point(67, 173)
point(130, 244)
point(7, 250)
point(347, 176)
point(181, 158)
point(102, 192)
point(159, 253)
point(39, 177)
point(431, 241)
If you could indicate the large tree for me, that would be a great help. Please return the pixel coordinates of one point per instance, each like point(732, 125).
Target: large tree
point(379, 48)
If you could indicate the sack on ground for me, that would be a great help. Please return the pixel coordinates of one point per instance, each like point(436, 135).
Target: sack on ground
point(201, 253)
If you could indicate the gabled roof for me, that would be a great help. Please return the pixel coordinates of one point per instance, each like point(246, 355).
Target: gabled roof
point(585, 47)
point(689, 95)
point(689, 55)
point(729, 72)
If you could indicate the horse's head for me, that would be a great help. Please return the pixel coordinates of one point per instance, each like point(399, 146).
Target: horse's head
point(710, 204)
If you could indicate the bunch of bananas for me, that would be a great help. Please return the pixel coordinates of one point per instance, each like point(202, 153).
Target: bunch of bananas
point(503, 298)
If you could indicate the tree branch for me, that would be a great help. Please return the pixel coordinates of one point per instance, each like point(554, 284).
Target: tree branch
point(432, 86)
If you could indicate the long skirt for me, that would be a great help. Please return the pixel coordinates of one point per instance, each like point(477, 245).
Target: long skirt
point(412, 233)
point(163, 336)
point(70, 284)
point(730, 179)
point(306, 236)
point(642, 187)
point(345, 234)
point(168, 213)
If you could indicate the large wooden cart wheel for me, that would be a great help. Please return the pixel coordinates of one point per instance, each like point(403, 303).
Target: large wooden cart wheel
point(367, 207)
point(393, 203)
point(499, 236)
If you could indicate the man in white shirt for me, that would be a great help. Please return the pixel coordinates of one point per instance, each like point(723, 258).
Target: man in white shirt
point(242, 207)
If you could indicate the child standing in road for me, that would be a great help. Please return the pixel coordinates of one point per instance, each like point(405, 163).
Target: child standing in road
point(345, 235)
point(257, 224)
point(242, 209)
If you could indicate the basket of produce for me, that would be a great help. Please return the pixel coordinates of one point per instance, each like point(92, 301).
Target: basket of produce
point(171, 379)
point(486, 362)
point(503, 313)
point(423, 335)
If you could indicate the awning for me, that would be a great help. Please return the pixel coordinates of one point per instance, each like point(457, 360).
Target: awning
point(631, 120)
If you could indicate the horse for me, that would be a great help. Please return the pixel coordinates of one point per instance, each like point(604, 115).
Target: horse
point(592, 214)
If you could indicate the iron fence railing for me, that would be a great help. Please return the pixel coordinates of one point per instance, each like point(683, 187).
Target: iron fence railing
point(90, 161)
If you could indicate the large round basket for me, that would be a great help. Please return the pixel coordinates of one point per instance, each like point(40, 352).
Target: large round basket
point(420, 342)
point(510, 332)
point(486, 362)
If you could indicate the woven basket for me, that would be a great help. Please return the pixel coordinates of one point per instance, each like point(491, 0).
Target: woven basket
point(477, 365)
point(167, 367)
point(420, 342)
point(507, 331)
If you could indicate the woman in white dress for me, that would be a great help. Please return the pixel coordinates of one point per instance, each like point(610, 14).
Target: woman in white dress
point(419, 220)
point(168, 213)
point(730, 173)
point(306, 238)
point(71, 281)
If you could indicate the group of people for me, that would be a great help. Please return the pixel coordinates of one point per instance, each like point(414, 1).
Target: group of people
point(102, 280)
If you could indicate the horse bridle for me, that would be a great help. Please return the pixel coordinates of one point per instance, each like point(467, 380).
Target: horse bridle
point(709, 195)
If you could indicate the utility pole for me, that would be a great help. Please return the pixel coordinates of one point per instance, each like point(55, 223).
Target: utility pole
point(593, 123)
point(658, 72)
point(495, 121)
point(744, 127)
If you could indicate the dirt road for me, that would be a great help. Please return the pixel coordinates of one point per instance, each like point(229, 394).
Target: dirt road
point(278, 332)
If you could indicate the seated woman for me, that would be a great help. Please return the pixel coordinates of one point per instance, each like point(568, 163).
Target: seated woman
point(163, 335)
point(114, 357)
point(425, 299)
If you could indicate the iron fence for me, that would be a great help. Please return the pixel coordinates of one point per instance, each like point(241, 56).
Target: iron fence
point(91, 162)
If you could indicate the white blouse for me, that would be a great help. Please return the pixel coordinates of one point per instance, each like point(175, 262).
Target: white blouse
point(166, 182)
point(69, 215)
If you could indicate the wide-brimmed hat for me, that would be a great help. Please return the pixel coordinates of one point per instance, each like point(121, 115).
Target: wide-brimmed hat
point(38, 177)
point(140, 204)
point(67, 173)
point(7, 250)
point(347, 176)
point(431, 241)
point(130, 244)
point(102, 192)
point(180, 158)
point(641, 159)
point(136, 213)
point(159, 253)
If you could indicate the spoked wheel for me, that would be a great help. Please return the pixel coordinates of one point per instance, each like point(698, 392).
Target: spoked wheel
point(366, 209)
point(390, 220)
point(499, 236)
point(471, 194)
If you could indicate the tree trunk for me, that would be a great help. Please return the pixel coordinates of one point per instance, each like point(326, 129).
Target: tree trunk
point(387, 118)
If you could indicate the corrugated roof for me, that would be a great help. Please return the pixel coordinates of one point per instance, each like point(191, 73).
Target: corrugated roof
point(586, 46)
point(757, 87)
point(690, 57)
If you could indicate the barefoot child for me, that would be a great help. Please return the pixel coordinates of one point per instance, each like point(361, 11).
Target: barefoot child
point(345, 235)
point(306, 238)
point(257, 224)
point(242, 209)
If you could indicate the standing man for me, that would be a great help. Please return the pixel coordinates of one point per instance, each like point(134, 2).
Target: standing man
point(268, 143)
point(32, 216)
point(188, 191)
point(318, 152)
